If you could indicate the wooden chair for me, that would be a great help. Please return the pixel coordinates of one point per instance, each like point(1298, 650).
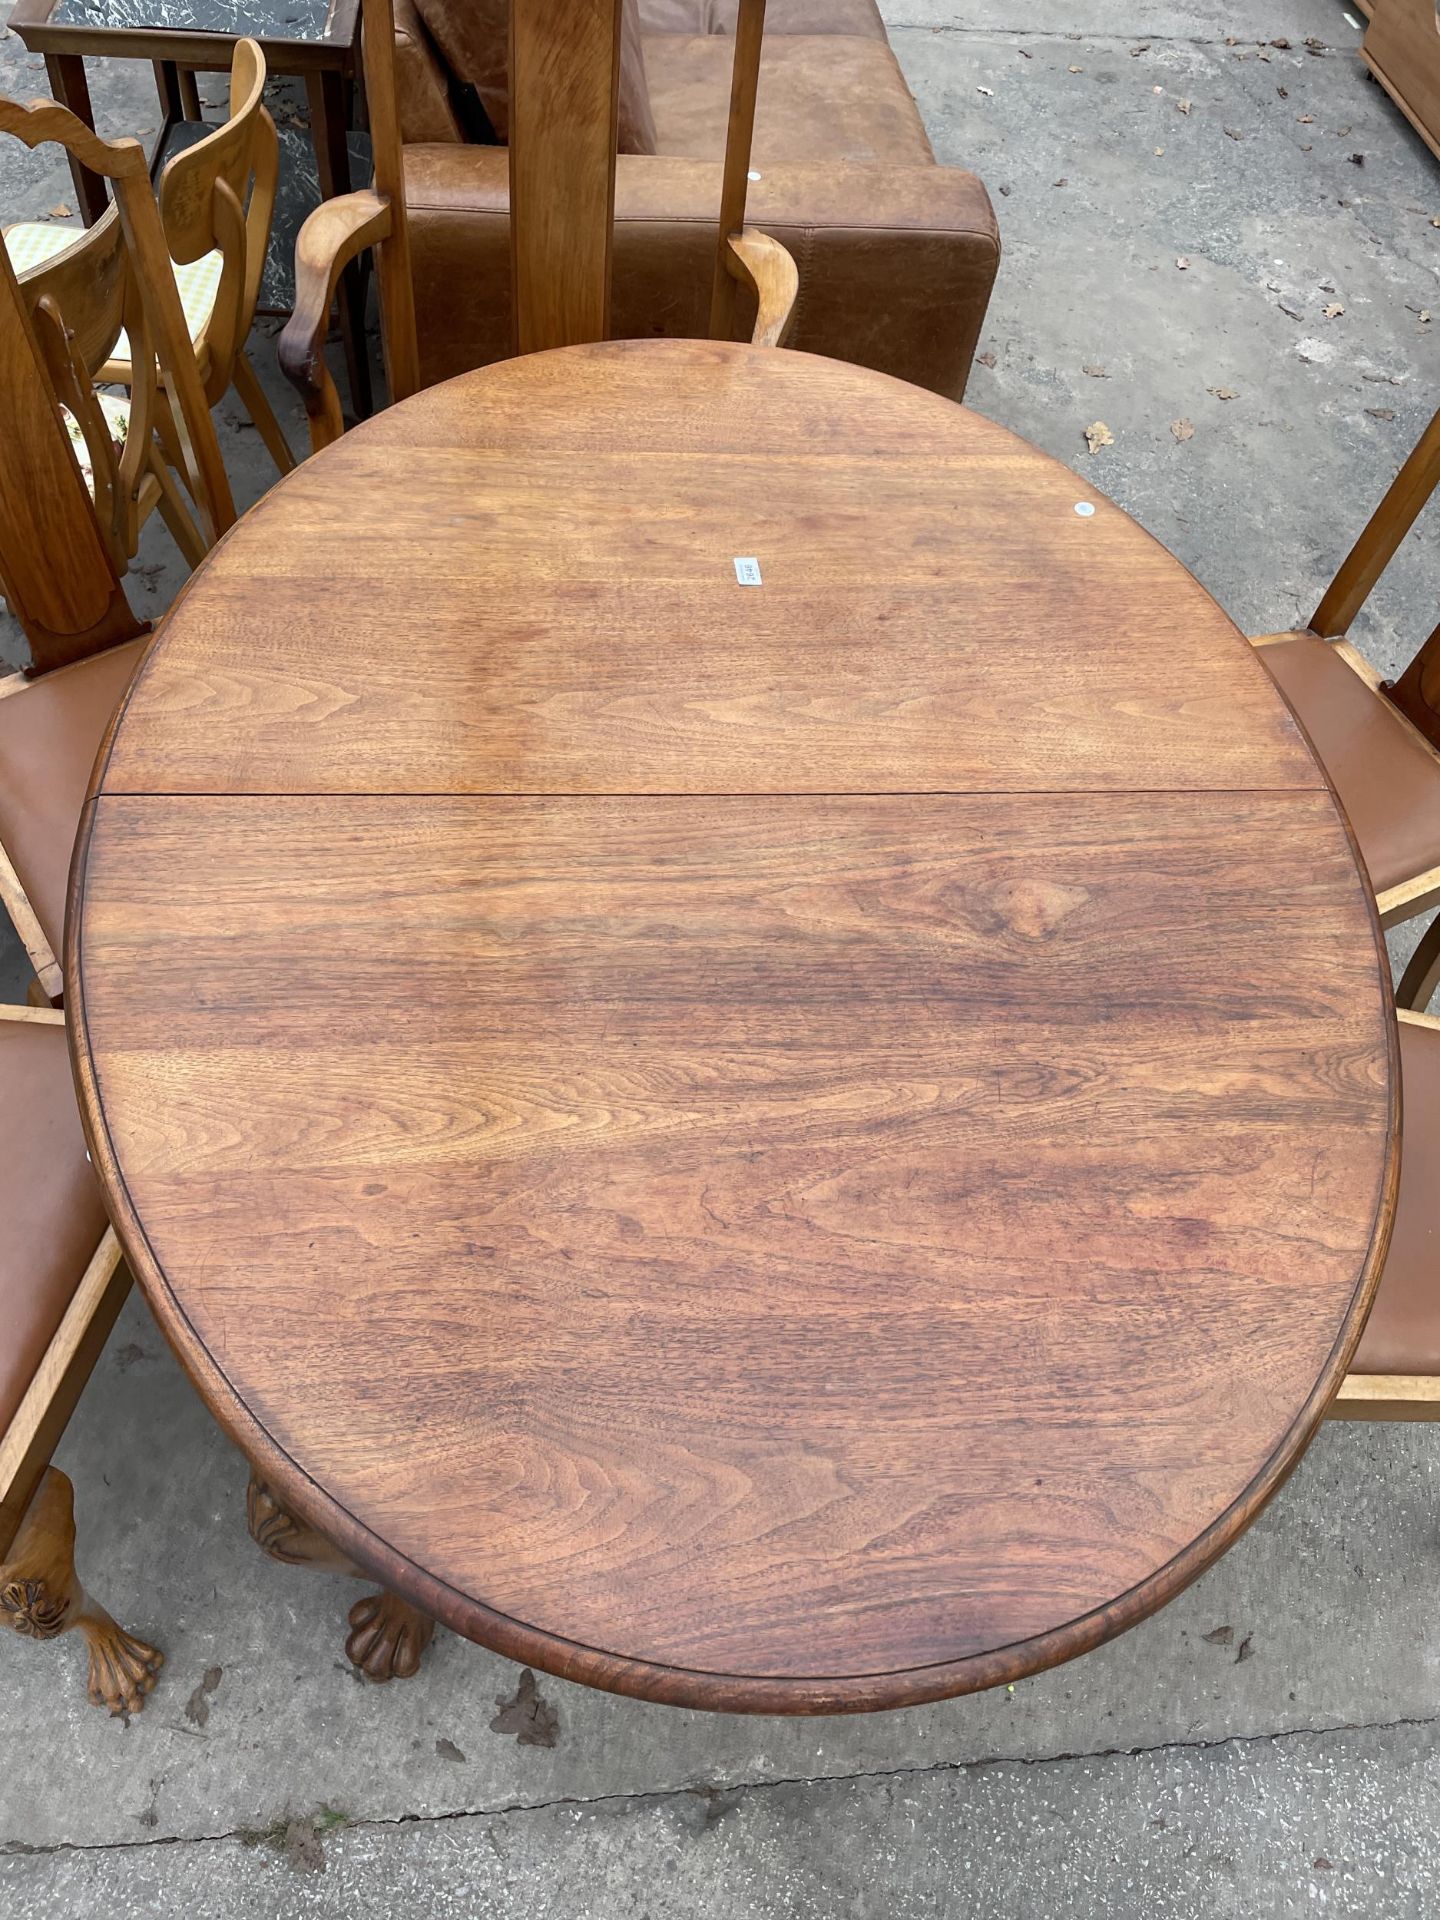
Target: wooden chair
point(217, 199)
point(1395, 1374)
point(111, 281)
point(67, 315)
point(46, 514)
point(564, 90)
point(1380, 742)
point(62, 1282)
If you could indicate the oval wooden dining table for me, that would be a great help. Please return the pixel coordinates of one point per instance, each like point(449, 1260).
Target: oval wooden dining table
point(732, 1030)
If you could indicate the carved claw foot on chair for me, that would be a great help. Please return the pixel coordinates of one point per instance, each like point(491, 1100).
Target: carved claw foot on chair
point(387, 1635)
point(41, 1598)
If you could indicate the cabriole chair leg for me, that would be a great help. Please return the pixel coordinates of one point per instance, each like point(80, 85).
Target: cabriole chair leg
point(41, 1598)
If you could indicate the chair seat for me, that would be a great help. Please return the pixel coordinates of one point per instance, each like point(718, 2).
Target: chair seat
point(49, 736)
point(51, 1214)
point(117, 418)
point(30, 242)
point(1386, 776)
point(1402, 1334)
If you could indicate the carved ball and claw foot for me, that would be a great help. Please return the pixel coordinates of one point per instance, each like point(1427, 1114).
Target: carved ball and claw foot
point(387, 1635)
point(41, 1598)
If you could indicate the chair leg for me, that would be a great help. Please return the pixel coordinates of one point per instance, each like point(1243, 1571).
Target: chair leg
point(176, 515)
point(41, 1598)
point(1421, 978)
point(247, 385)
point(387, 1635)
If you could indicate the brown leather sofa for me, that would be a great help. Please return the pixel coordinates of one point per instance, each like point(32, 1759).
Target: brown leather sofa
point(897, 255)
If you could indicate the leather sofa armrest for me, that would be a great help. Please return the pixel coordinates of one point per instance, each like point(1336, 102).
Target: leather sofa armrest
point(896, 263)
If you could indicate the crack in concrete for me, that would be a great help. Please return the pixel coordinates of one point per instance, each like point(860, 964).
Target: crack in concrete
point(18, 1850)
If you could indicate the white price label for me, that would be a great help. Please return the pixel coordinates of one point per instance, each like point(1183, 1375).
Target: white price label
point(747, 571)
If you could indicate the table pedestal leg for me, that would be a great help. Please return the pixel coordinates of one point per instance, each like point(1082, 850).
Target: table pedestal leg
point(41, 1598)
point(387, 1635)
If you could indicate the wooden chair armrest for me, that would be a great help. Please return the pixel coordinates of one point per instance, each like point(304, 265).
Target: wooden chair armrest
point(755, 257)
point(330, 239)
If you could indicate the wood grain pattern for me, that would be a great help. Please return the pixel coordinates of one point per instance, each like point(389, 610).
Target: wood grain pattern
point(735, 173)
point(1402, 49)
point(564, 90)
point(550, 604)
point(827, 1238)
point(778, 1149)
point(65, 610)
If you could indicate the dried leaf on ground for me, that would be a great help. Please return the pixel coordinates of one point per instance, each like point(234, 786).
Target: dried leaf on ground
point(526, 1714)
point(1234, 133)
point(1076, 69)
point(1219, 1637)
point(1096, 373)
point(1182, 106)
point(1182, 429)
point(989, 92)
point(1307, 120)
point(1224, 393)
point(1183, 262)
point(1294, 312)
point(1158, 152)
point(1381, 413)
point(1098, 435)
point(59, 211)
point(1424, 316)
point(986, 359)
point(1332, 310)
point(1062, 181)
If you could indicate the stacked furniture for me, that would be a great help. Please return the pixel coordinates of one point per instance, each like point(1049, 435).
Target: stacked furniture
point(897, 254)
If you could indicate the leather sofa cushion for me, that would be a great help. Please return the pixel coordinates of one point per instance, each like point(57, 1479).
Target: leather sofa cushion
point(51, 1215)
point(858, 17)
point(1402, 1334)
point(422, 88)
point(473, 37)
point(1387, 778)
point(50, 733)
point(829, 99)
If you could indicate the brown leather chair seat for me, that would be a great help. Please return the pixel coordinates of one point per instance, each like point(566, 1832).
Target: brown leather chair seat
point(1386, 776)
point(1402, 1334)
point(51, 1216)
point(49, 736)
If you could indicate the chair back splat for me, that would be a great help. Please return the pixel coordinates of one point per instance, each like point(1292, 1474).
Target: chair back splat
point(564, 102)
point(71, 609)
point(1417, 691)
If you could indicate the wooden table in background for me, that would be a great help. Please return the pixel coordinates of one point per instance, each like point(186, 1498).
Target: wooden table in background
point(792, 1147)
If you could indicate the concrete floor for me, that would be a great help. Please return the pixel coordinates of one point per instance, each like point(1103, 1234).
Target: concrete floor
point(1266, 1744)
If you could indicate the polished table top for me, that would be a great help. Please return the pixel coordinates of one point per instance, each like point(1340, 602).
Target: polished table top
point(796, 1146)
